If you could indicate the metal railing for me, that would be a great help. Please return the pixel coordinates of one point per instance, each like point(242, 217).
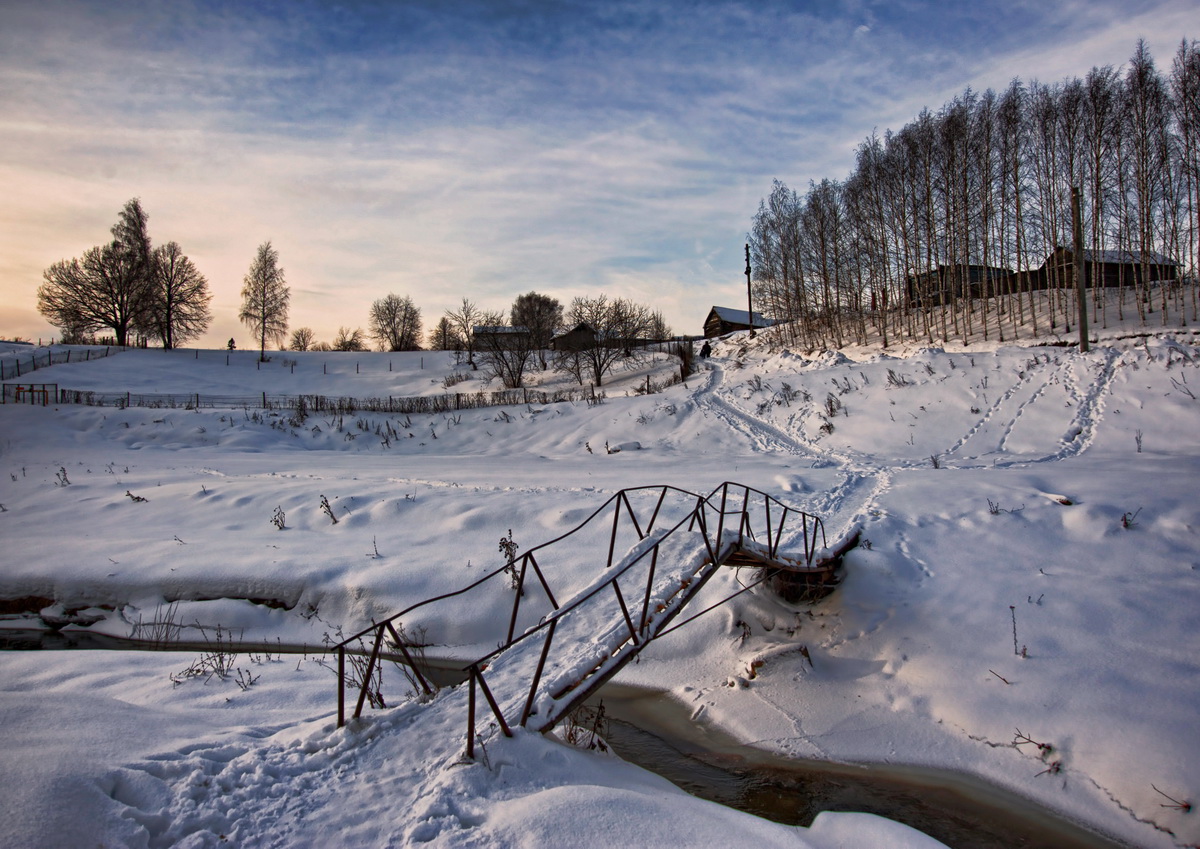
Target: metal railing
point(673, 542)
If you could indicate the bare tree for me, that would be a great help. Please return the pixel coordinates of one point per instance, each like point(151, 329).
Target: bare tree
point(178, 310)
point(302, 339)
point(657, 328)
point(265, 298)
point(111, 286)
point(444, 337)
point(1185, 103)
point(542, 316)
point(505, 351)
point(395, 323)
point(464, 320)
point(349, 340)
point(619, 324)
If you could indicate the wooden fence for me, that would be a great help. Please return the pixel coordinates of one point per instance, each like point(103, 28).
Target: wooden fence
point(14, 365)
point(418, 404)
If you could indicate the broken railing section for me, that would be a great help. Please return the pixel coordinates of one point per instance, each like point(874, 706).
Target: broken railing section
point(674, 541)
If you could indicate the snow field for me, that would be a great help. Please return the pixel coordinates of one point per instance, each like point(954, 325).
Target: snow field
point(906, 663)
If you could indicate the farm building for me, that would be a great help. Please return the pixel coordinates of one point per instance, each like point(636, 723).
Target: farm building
point(722, 320)
point(1110, 269)
point(949, 282)
point(579, 338)
point(500, 337)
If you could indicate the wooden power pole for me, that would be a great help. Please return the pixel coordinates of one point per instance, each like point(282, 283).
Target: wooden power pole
point(749, 296)
point(1080, 282)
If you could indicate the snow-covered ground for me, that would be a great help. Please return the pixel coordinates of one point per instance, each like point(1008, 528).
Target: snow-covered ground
point(1030, 563)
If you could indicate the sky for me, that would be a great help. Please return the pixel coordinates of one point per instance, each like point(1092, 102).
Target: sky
point(481, 150)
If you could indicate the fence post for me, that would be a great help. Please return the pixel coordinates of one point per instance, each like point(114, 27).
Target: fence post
point(264, 400)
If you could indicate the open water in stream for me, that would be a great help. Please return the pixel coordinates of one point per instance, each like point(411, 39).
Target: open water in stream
point(651, 730)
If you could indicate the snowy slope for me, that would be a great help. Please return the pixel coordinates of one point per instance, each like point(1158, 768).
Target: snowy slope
point(1032, 565)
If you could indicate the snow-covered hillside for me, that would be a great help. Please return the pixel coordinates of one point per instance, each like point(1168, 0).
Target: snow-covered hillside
point(1029, 570)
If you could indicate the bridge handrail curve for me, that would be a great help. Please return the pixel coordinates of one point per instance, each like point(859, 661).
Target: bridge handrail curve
point(623, 493)
point(698, 514)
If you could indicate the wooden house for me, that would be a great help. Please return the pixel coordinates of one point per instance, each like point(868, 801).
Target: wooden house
point(723, 320)
point(1107, 269)
point(501, 337)
point(581, 337)
point(947, 283)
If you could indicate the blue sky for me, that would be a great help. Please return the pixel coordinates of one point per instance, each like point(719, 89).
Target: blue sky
point(480, 149)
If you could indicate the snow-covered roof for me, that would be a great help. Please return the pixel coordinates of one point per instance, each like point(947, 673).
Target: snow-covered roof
point(734, 316)
point(1125, 257)
point(497, 330)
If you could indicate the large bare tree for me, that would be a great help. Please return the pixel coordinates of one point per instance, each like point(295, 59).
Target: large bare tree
point(504, 350)
point(542, 316)
point(464, 321)
point(110, 286)
point(265, 297)
point(178, 308)
point(619, 325)
point(302, 339)
point(444, 337)
point(395, 323)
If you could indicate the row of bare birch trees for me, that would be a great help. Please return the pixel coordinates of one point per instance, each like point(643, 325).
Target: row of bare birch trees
point(986, 181)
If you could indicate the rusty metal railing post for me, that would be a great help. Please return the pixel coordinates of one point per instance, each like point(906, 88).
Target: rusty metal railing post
point(366, 683)
point(662, 494)
point(625, 612)
point(612, 540)
point(491, 700)
point(721, 516)
point(408, 659)
point(341, 686)
point(471, 717)
point(512, 623)
point(545, 586)
point(649, 587)
point(537, 675)
point(779, 532)
point(632, 515)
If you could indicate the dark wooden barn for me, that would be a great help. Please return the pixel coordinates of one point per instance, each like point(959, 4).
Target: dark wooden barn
point(581, 337)
point(947, 283)
point(1108, 269)
point(722, 320)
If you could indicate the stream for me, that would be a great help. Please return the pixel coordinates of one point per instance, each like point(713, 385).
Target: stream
point(653, 731)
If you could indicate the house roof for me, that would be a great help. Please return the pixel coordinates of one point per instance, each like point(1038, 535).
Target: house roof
point(498, 329)
point(1124, 257)
point(582, 327)
point(732, 316)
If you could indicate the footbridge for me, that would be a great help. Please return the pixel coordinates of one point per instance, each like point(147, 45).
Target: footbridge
point(654, 547)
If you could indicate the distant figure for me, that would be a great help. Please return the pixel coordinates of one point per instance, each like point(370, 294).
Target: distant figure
point(705, 351)
point(231, 345)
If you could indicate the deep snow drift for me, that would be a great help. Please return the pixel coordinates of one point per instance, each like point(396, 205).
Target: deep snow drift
point(1030, 571)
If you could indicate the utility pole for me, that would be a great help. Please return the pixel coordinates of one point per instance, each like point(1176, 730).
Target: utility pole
point(749, 296)
point(1080, 283)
